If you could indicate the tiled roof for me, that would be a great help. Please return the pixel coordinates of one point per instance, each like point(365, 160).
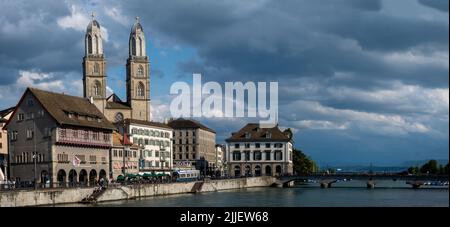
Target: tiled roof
point(60, 106)
point(181, 123)
point(252, 132)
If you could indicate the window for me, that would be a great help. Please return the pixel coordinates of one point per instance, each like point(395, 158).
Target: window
point(278, 145)
point(236, 145)
point(97, 88)
point(278, 155)
point(86, 135)
point(180, 156)
point(187, 156)
point(187, 148)
point(106, 137)
point(29, 134)
point(156, 153)
point(140, 71)
point(1, 145)
point(95, 136)
point(120, 153)
point(134, 154)
point(267, 145)
point(268, 135)
point(47, 132)
point(115, 153)
point(96, 68)
point(14, 135)
point(248, 135)
point(30, 102)
point(257, 145)
point(247, 145)
point(30, 116)
point(75, 133)
point(146, 141)
point(257, 155)
point(41, 113)
point(193, 133)
point(140, 91)
point(236, 156)
point(267, 155)
point(20, 117)
point(180, 141)
point(247, 155)
point(193, 156)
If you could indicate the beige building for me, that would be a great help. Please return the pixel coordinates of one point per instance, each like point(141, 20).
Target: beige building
point(137, 105)
point(193, 143)
point(4, 116)
point(66, 139)
point(256, 151)
point(123, 157)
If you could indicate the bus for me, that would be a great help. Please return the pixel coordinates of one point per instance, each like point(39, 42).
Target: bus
point(186, 175)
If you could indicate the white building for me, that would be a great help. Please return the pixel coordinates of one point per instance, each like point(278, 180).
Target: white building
point(220, 155)
point(259, 151)
point(155, 145)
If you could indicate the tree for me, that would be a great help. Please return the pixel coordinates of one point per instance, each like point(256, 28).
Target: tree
point(413, 170)
point(302, 163)
point(430, 167)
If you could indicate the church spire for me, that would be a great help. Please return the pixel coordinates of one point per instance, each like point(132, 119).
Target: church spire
point(93, 39)
point(137, 40)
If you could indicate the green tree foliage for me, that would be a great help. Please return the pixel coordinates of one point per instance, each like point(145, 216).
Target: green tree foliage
point(302, 163)
point(413, 170)
point(431, 167)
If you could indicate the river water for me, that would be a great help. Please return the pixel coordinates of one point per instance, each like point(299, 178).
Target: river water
point(348, 194)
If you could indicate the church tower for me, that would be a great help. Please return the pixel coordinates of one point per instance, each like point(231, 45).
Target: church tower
point(138, 77)
point(94, 66)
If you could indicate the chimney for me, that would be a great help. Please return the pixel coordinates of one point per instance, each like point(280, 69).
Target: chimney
point(91, 100)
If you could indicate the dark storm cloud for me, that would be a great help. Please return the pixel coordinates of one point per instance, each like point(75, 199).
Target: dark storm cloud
point(441, 5)
point(297, 38)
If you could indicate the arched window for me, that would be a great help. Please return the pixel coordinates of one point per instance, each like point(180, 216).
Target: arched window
point(133, 46)
point(140, 90)
point(140, 46)
point(89, 44)
point(96, 44)
point(97, 91)
point(96, 68)
point(140, 71)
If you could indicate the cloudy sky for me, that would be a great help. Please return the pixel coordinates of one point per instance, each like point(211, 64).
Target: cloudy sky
point(360, 81)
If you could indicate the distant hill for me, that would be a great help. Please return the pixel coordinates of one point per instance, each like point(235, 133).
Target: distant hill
point(421, 162)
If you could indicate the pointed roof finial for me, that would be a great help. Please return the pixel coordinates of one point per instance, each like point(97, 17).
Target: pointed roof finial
point(137, 19)
point(93, 15)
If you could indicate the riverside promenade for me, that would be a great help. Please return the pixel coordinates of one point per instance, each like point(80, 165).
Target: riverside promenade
point(54, 196)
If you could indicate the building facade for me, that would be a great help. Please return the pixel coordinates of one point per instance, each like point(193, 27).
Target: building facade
point(219, 164)
point(4, 116)
point(56, 138)
point(137, 105)
point(154, 140)
point(193, 143)
point(256, 151)
point(123, 157)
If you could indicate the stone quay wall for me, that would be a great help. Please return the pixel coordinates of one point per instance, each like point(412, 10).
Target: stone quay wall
point(45, 197)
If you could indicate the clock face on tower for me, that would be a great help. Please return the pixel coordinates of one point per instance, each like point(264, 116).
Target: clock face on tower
point(119, 117)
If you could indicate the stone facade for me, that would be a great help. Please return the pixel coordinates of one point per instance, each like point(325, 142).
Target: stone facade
point(193, 142)
point(137, 105)
point(255, 151)
point(123, 159)
point(61, 153)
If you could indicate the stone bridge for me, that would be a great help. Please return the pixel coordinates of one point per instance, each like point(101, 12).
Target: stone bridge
point(326, 180)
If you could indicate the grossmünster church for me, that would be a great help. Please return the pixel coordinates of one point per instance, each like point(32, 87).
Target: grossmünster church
point(137, 105)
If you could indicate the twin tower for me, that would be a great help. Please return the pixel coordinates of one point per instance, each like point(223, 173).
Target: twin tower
point(137, 105)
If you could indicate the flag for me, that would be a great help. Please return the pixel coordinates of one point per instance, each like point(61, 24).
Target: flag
point(76, 161)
